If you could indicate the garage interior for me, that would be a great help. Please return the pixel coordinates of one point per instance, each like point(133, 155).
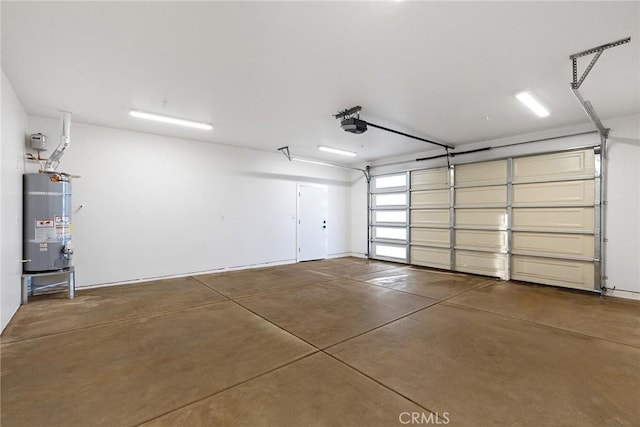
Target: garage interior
point(362, 225)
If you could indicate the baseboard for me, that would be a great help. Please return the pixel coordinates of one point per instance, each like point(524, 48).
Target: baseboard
point(358, 255)
point(339, 255)
point(621, 293)
point(193, 273)
point(218, 270)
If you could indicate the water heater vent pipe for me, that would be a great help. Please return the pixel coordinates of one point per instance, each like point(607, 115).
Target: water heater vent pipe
point(65, 141)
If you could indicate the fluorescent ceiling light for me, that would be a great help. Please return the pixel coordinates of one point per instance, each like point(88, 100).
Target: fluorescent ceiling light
point(336, 151)
point(531, 103)
point(171, 120)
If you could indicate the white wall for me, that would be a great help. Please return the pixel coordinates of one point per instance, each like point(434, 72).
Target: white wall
point(623, 208)
point(150, 206)
point(12, 160)
point(622, 225)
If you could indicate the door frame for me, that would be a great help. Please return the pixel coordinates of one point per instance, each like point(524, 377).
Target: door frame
point(298, 186)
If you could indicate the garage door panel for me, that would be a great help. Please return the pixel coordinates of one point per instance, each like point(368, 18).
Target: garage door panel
point(437, 218)
point(554, 219)
point(554, 167)
point(484, 240)
point(481, 218)
point(485, 263)
point(574, 274)
point(481, 174)
point(389, 233)
point(389, 182)
point(396, 217)
point(555, 193)
point(384, 200)
point(431, 236)
point(558, 245)
point(431, 257)
point(397, 253)
point(430, 179)
point(431, 199)
point(481, 196)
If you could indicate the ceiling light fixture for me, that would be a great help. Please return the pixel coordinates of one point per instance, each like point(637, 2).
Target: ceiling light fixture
point(171, 120)
point(531, 103)
point(336, 151)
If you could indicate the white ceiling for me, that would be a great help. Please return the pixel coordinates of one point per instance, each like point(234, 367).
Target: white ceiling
point(268, 74)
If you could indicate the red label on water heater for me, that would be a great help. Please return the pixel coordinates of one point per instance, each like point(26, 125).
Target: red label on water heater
point(42, 223)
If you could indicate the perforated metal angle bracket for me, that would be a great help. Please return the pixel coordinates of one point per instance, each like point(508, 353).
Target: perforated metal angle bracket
point(576, 83)
point(598, 51)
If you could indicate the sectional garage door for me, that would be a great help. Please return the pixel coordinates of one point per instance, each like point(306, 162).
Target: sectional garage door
point(430, 218)
point(388, 217)
point(554, 219)
point(481, 221)
point(532, 218)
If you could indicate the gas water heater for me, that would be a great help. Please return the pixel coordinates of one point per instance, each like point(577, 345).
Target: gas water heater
point(47, 209)
point(47, 222)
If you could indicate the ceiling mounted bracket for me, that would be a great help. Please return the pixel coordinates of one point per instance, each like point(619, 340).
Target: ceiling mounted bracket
point(349, 113)
point(598, 51)
point(285, 150)
point(576, 83)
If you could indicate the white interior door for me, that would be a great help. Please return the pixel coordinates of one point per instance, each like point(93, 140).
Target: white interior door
point(312, 222)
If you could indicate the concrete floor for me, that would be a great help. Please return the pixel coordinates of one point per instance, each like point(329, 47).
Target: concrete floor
point(337, 342)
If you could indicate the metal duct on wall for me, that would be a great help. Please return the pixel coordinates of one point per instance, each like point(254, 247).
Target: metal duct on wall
point(65, 141)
